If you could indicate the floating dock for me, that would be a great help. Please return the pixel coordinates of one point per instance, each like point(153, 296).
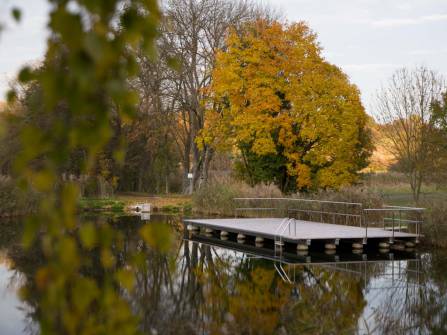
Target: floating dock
point(306, 223)
point(297, 230)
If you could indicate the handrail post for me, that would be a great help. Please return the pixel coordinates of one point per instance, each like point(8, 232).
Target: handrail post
point(393, 225)
point(294, 221)
point(418, 225)
point(346, 214)
point(321, 212)
point(400, 220)
point(365, 223)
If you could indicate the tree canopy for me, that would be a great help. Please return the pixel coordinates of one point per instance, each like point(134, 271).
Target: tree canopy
point(280, 104)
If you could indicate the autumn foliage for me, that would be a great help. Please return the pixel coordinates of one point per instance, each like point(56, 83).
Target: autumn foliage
point(279, 105)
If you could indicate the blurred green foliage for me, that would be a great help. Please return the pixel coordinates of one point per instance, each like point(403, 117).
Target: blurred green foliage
point(13, 201)
point(84, 85)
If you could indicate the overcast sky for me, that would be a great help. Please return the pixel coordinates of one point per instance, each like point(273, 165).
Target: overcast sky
point(368, 39)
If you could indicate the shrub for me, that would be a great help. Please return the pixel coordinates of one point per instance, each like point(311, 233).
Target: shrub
point(216, 197)
point(187, 208)
point(14, 201)
point(368, 197)
point(171, 208)
point(96, 186)
point(117, 207)
point(388, 179)
point(435, 226)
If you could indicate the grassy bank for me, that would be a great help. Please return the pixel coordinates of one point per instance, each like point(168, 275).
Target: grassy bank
point(172, 203)
point(216, 198)
point(395, 189)
point(103, 205)
point(169, 203)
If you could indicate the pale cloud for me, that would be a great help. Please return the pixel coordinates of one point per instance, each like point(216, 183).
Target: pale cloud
point(370, 67)
point(21, 43)
point(333, 53)
point(409, 21)
point(427, 52)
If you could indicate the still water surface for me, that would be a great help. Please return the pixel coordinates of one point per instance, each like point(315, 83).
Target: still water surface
point(211, 287)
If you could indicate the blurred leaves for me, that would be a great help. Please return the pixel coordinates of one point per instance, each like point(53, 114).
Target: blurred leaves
point(25, 74)
point(81, 86)
point(126, 278)
point(87, 234)
point(11, 96)
point(157, 236)
point(16, 14)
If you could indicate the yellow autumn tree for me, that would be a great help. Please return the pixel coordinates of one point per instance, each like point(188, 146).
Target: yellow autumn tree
point(284, 108)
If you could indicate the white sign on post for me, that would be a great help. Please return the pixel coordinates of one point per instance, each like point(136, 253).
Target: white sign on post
point(191, 187)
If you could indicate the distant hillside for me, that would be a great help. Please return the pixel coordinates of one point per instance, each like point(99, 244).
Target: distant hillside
point(381, 159)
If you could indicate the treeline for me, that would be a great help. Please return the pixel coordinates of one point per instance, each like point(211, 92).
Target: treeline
point(230, 79)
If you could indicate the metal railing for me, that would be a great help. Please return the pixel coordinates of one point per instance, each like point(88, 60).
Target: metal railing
point(280, 230)
point(245, 209)
point(393, 273)
point(325, 211)
point(393, 218)
point(282, 272)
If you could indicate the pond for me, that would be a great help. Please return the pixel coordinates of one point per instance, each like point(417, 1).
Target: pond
point(207, 286)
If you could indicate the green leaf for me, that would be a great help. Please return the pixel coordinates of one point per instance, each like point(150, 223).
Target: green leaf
point(87, 234)
point(85, 290)
point(25, 74)
point(126, 278)
point(11, 96)
point(30, 232)
point(174, 63)
point(16, 14)
point(107, 258)
point(157, 236)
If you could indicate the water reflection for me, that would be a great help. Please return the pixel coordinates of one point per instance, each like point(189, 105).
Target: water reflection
point(209, 287)
point(14, 313)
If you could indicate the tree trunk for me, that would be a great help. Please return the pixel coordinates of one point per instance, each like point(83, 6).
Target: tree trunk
point(207, 157)
point(140, 180)
point(166, 183)
point(416, 184)
point(186, 160)
point(186, 167)
point(201, 165)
